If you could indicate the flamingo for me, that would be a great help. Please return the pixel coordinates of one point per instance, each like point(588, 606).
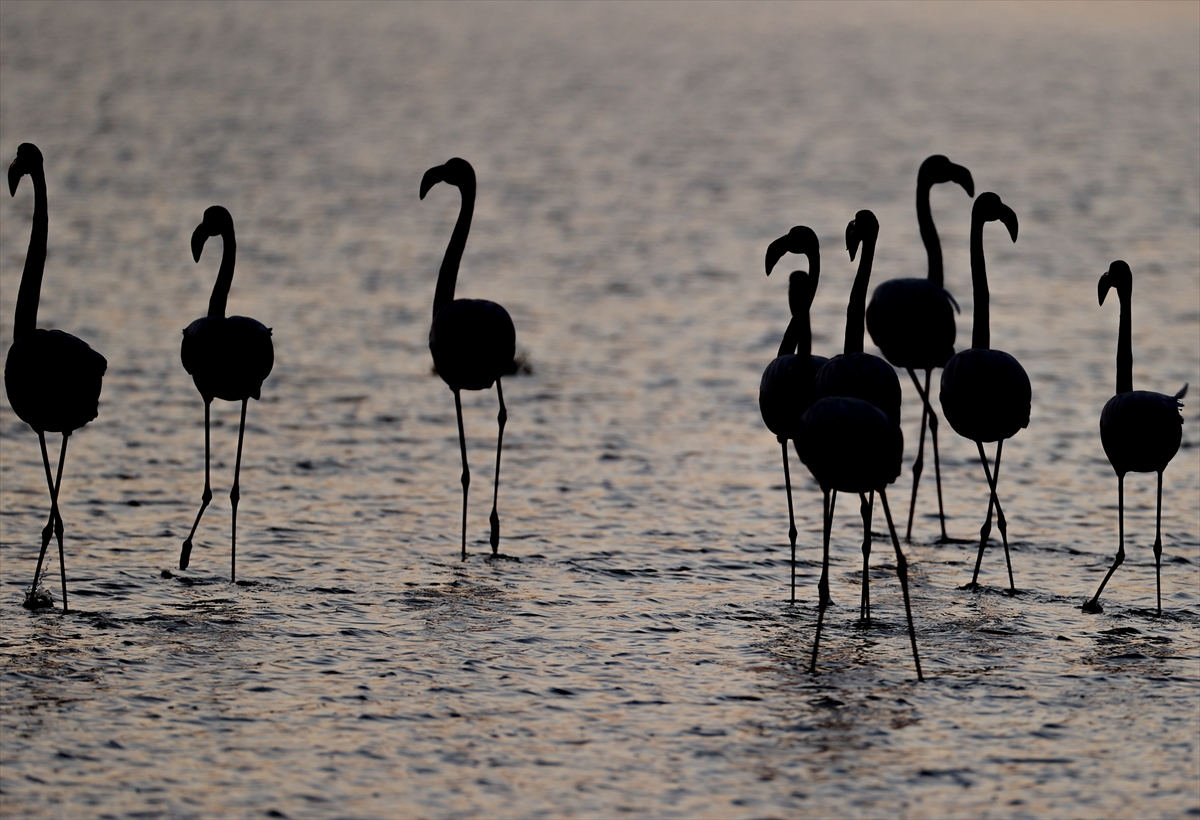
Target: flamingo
point(859, 375)
point(788, 388)
point(850, 445)
point(473, 341)
point(986, 393)
point(912, 320)
point(1140, 430)
point(52, 378)
point(228, 358)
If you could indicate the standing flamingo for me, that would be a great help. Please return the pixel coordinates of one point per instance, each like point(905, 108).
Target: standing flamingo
point(788, 386)
point(228, 358)
point(1140, 430)
point(859, 375)
point(912, 320)
point(850, 445)
point(473, 341)
point(52, 378)
point(986, 393)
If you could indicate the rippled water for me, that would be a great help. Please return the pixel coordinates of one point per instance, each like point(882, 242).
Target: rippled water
point(640, 657)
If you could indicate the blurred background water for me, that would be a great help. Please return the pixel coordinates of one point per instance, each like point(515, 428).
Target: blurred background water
point(641, 658)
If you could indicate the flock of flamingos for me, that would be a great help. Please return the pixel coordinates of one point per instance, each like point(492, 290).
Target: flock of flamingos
point(842, 414)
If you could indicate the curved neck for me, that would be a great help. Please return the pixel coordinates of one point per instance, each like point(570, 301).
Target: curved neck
point(929, 235)
point(856, 309)
point(448, 275)
point(35, 261)
point(220, 293)
point(1125, 346)
point(980, 334)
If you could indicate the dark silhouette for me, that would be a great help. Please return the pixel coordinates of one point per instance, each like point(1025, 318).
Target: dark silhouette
point(228, 358)
point(473, 341)
point(912, 320)
point(851, 445)
point(788, 385)
point(53, 378)
point(986, 393)
point(859, 375)
point(1140, 430)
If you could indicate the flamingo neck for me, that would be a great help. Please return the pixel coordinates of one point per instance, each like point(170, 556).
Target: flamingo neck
point(448, 275)
point(980, 333)
point(220, 293)
point(929, 234)
point(30, 291)
point(856, 309)
point(1125, 346)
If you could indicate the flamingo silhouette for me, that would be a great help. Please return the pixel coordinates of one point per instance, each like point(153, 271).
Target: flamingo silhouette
point(912, 320)
point(788, 387)
point(473, 341)
point(1140, 430)
point(850, 445)
point(228, 358)
point(52, 378)
point(859, 375)
point(986, 393)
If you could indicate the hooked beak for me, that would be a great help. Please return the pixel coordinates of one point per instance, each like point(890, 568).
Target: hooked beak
point(775, 252)
point(432, 177)
point(962, 176)
point(14, 176)
point(852, 239)
point(199, 236)
point(1103, 286)
point(1009, 217)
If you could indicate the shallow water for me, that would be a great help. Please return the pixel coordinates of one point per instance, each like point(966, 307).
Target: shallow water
point(640, 657)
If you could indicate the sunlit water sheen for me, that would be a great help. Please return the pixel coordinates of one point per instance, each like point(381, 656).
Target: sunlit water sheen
point(640, 658)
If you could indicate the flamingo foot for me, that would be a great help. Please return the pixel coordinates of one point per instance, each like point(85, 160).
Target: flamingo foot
point(39, 598)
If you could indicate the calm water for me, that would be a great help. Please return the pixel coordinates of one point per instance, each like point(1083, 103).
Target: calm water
point(640, 658)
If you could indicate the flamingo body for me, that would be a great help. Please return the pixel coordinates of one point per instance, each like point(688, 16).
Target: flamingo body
point(787, 389)
point(228, 357)
point(986, 395)
point(473, 343)
point(912, 322)
point(861, 376)
point(850, 445)
point(53, 381)
point(1141, 431)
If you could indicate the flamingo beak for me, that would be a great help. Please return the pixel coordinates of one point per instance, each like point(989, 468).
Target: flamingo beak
point(1009, 217)
point(852, 239)
point(1103, 286)
point(775, 252)
point(432, 177)
point(962, 176)
point(14, 176)
point(198, 238)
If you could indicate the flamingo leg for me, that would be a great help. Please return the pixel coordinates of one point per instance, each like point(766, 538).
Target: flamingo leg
point(185, 555)
point(823, 586)
point(1093, 606)
point(501, 418)
point(864, 607)
point(902, 573)
point(234, 495)
point(1158, 545)
point(466, 473)
point(48, 530)
point(787, 483)
point(993, 500)
point(919, 463)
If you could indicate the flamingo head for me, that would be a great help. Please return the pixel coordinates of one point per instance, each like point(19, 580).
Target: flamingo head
point(217, 222)
point(457, 172)
point(937, 169)
point(863, 228)
point(28, 158)
point(989, 208)
point(800, 239)
point(1119, 276)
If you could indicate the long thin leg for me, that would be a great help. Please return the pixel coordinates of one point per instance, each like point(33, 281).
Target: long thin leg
point(823, 586)
point(185, 555)
point(994, 499)
point(902, 572)
point(501, 418)
point(55, 521)
point(864, 607)
point(234, 495)
point(927, 412)
point(1093, 605)
point(466, 473)
point(787, 484)
point(919, 464)
point(1158, 545)
point(58, 529)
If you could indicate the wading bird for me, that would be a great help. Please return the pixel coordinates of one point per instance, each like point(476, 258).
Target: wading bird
point(52, 378)
point(912, 320)
point(1140, 430)
point(986, 393)
point(851, 445)
point(473, 341)
point(858, 375)
point(788, 385)
point(228, 358)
